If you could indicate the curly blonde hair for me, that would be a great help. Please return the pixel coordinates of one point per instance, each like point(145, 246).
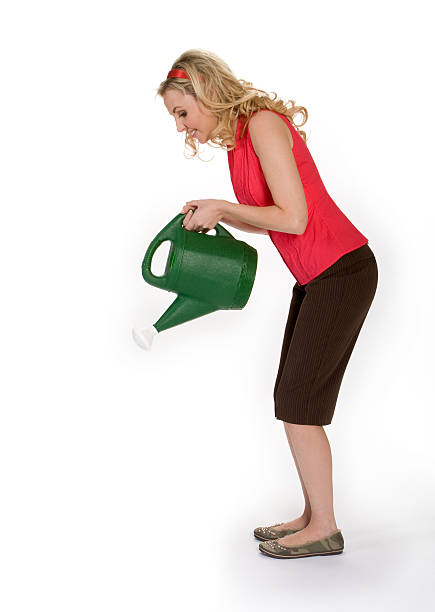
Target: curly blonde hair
point(216, 87)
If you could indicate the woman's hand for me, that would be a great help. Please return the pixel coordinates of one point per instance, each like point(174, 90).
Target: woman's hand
point(202, 215)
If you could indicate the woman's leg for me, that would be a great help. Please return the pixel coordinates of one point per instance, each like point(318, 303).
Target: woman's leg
point(298, 295)
point(323, 333)
point(304, 519)
point(312, 452)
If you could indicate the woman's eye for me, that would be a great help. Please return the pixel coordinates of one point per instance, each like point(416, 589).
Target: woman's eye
point(182, 114)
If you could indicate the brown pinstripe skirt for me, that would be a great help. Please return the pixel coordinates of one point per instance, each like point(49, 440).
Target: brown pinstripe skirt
point(325, 318)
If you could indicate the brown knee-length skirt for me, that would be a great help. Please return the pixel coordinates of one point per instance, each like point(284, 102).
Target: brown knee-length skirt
point(325, 318)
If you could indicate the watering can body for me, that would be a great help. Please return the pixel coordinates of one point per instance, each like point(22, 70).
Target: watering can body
point(207, 273)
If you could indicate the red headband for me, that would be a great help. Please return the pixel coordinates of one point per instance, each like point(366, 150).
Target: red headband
point(180, 74)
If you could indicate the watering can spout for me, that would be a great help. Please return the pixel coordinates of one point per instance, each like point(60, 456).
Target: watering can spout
point(182, 309)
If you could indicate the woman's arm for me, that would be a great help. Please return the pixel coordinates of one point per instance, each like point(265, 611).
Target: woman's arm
point(263, 217)
point(245, 227)
point(289, 212)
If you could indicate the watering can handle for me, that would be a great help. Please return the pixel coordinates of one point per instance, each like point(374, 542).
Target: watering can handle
point(169, 232)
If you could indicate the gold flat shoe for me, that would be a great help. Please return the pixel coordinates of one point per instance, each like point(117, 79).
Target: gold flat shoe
point(331, 545)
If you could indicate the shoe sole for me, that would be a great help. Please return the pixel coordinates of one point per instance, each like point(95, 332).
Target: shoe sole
point(269, 554)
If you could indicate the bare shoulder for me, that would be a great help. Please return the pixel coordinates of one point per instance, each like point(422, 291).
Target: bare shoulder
point(265, 124)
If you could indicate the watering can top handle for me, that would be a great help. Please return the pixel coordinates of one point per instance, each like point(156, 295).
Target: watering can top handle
point(174, 226)
point(169, 232)
point(221, 231)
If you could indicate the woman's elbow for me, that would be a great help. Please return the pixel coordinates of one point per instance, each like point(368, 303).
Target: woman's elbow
point(302, 228)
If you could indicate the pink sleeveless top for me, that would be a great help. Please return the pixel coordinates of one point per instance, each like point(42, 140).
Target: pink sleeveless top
point(329, 234)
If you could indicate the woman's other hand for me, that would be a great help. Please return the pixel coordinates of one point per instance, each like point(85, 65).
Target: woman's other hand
point(202, 215)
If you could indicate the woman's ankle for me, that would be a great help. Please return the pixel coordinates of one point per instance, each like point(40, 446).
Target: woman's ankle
point(326, 525)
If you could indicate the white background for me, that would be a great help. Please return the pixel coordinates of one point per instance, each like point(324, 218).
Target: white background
point(133, 479)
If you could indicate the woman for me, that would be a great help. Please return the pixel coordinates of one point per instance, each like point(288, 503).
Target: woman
point(274, 175)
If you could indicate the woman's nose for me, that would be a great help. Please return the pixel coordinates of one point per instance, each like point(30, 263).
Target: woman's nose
point(180, 127)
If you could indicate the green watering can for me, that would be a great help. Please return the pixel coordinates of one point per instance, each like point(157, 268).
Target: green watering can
point(208, 273)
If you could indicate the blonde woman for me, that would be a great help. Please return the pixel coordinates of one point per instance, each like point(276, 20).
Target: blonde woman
point(282, 195)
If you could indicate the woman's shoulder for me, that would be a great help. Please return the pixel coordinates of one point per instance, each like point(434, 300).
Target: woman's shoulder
point(264, 121)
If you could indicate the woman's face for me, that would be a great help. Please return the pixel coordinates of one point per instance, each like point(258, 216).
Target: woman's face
point(190, 114)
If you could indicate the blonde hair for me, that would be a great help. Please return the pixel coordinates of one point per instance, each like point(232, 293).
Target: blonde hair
point(216, 87)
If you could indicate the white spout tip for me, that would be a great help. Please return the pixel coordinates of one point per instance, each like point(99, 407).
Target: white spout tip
point(144, 337)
